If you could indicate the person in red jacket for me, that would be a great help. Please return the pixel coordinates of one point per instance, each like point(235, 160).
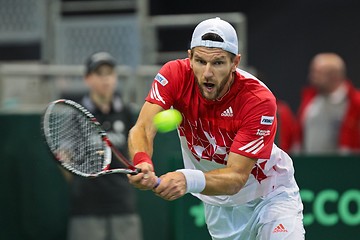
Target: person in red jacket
point(286, 137)
point(329, 111)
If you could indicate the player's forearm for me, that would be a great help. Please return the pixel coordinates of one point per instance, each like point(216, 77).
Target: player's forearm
point(141, 149)
point(224, 181)
point(139, 141)
point(230, 179)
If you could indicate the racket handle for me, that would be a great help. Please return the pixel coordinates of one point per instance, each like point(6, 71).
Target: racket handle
point(136, 171)
point(157, 183)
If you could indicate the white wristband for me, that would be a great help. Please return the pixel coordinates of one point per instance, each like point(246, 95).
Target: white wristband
point(195, 180)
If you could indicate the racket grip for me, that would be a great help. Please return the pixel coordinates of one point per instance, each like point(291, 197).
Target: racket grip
point(157, 183)
point(136, 171)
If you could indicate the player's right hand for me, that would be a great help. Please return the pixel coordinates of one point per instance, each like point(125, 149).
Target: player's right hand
point(146, 179)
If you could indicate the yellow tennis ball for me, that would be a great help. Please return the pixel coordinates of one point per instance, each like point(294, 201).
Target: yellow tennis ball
point(167, 120)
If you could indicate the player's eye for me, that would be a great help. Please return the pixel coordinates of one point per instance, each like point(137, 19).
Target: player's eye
point(200, 61)
point(218, 62)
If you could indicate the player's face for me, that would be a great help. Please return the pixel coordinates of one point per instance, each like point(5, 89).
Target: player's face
point(213, 70)
point(103, 81)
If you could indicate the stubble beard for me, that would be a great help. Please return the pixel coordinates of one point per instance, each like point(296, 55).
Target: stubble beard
point(218, 88)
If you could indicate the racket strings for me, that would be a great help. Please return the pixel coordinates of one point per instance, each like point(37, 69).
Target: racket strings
point(75, 140)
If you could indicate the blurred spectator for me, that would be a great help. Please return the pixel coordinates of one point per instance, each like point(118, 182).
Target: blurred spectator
point(104, 208)
point(329, 112)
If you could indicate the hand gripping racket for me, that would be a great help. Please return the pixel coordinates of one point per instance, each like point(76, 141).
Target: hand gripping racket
point(77, 141)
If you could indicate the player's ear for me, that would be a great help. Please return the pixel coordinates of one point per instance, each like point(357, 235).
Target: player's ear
point(236, 62)
point(190, 56)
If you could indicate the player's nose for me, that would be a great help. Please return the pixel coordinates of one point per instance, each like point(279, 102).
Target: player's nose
point(208, 71)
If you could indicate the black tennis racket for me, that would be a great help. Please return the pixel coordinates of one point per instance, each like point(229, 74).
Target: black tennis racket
point(78, 142)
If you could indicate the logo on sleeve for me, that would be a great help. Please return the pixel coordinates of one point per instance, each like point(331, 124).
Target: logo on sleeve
point(254, 146)
point(263, 132)
point(161, 79)
point(155, 94)
point(267, 120)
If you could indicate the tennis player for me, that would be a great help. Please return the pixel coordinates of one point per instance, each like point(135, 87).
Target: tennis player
point(227, 140)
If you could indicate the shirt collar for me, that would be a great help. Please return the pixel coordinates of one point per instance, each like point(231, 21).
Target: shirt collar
point(338, 95)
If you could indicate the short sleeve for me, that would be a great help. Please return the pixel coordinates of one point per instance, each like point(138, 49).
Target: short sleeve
point(256, 134)
point(164, 87)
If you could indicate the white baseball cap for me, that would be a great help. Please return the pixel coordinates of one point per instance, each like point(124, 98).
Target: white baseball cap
point(219, 27)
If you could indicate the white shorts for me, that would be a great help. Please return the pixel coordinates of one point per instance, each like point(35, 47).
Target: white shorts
point(275, 217)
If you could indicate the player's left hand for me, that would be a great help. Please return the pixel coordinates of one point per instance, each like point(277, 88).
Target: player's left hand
point(172, 186)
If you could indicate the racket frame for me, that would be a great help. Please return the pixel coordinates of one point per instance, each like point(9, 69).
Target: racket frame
point(130, 168)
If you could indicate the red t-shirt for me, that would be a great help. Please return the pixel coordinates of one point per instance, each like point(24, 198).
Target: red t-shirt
point(243, 121)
